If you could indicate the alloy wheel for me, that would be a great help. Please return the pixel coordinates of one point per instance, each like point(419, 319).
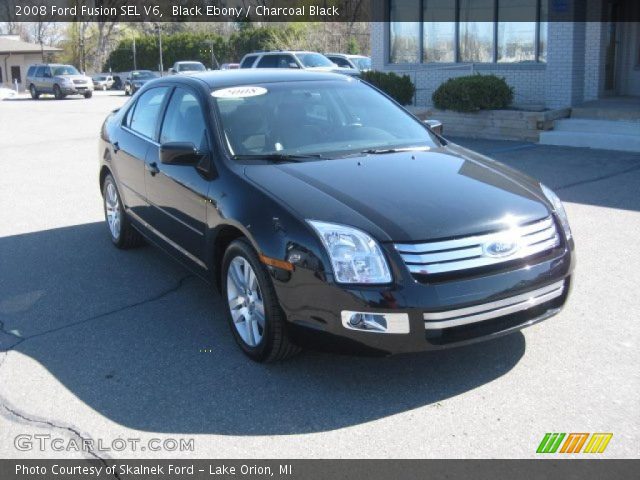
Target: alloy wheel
point(245, 301)
point(112, 207)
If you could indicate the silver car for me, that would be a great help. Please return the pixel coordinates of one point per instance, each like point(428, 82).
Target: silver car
point(102, 82)
point(60, 80)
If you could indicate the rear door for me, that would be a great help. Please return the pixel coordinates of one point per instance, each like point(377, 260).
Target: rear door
point(44, 81)
point(177, 193)
point(138, 133)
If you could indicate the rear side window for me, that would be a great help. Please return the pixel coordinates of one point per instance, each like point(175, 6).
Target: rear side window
point(31, 71)
point(184, 121)
point(146, 112)
point(276, 61)
point(341, 62)
point(248, 61)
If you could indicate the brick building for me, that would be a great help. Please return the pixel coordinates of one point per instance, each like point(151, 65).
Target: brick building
point(551, 64)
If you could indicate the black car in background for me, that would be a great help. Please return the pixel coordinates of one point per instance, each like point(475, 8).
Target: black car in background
point(328, 216)
point(136, 79)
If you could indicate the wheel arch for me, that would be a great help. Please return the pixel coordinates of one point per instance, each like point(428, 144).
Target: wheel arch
point(225, 235)
point(104, 171)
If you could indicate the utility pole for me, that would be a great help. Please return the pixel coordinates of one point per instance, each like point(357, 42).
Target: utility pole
point(135, 63)
point(214, 61)
point(160, 48)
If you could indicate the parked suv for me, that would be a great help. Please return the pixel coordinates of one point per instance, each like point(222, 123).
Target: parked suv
point(60, 80)
point(103, 82)
point(292, 59)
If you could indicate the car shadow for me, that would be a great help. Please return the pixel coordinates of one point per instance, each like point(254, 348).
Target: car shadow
point(143, 342)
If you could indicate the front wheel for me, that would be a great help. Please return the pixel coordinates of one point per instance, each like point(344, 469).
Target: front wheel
point(57, 92)
point(123, 235)
point(254, 314)
point(88, 94)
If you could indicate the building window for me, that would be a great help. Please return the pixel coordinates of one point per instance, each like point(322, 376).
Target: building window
point(404, 35)
point(458, 30)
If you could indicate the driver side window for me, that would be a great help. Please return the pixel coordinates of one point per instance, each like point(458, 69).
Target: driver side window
point(184, 121)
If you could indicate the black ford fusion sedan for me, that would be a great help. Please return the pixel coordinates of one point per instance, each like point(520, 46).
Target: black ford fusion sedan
point(328, 216)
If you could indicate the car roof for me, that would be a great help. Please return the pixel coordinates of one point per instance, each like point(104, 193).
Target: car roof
point(248, 76)
point(346, 55)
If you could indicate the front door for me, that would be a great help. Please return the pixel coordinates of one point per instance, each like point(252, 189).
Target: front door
point(177, 193)
point(138, 135)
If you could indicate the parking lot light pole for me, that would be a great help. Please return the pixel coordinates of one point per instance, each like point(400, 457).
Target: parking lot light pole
point(160, 49)
point(135, 63)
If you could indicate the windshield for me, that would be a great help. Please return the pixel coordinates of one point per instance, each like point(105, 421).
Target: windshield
point(64, 70)
point(328, 118)
point(311, 60)
point(191, 67)
point(139, 75)
point(363, 63)
point(100, 79)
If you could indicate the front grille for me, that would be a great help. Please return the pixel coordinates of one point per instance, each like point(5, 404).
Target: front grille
point(79, 82)
point(476, 251)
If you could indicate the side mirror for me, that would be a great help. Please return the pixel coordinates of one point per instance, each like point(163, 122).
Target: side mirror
point(435, 125)
point(172, 71)
point(293, 65)
point(180, 153)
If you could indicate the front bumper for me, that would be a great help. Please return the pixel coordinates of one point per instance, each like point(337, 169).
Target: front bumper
point(76, 89)
point(441, 314)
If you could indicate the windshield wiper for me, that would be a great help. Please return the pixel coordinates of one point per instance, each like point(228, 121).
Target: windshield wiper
point(395, 150)
point(280, 157)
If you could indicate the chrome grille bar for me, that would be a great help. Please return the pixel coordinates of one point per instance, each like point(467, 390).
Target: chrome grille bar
point(487, 311)
point(466, 253)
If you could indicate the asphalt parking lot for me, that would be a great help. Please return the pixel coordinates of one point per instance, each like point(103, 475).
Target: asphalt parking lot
point(102, 344)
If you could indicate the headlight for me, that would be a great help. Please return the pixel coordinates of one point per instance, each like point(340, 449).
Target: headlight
point(558, 208)
point(355, 256)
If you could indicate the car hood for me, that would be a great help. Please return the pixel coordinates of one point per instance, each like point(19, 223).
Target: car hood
point(406, 196)
point(76, 77)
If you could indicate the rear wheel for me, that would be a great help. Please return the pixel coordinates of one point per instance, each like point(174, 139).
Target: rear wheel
point(123, 235)
point(34, 92)
point(254, 314)
point(57, 92)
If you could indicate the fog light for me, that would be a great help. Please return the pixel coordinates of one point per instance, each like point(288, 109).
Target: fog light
point(376, 322)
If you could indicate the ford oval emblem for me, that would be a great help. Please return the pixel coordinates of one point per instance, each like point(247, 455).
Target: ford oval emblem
point(501, 248)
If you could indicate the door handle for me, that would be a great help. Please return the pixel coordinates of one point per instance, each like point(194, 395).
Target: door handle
point(152, 168)
point(116, 147)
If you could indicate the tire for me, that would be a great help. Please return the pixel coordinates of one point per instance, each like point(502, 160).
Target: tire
point(123, 236)
point(88, 94)
point(274, 343)
point(34, 93)
point(57, 92)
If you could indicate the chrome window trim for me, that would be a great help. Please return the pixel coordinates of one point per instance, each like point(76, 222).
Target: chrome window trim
point(488, 311)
